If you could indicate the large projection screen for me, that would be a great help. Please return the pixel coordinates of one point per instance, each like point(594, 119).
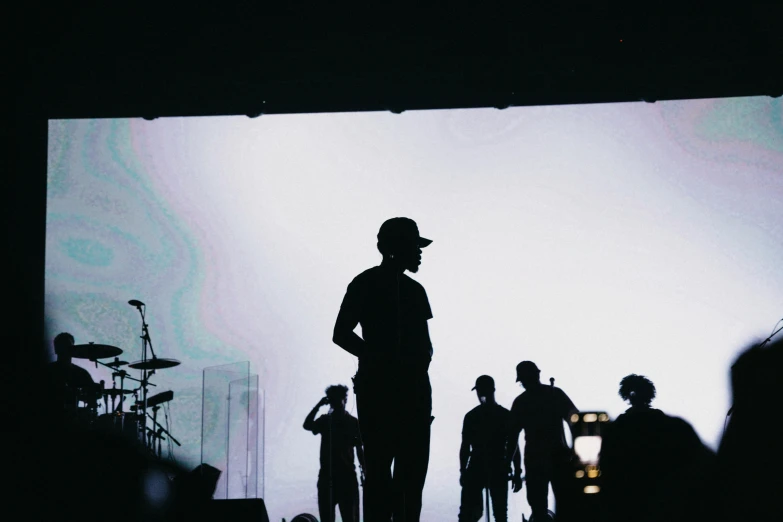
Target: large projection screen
point(596, 240)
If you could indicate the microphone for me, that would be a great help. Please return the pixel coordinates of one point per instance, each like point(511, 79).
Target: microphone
point(136, 303)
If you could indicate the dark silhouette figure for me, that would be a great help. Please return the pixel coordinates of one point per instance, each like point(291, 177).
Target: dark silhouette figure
point(66, 383)
point(482, 456)
point(749, 456)
point(66, 470)
point(339, 432)
point(540, 411)
point(392, 386)
point(654, 467)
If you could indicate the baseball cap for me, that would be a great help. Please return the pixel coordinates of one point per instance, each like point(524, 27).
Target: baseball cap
point(527, 368)
point(484, 382)
point(399, 228)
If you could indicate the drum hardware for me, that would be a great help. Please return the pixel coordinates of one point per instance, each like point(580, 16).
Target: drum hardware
point(154, 364)
point(153, 434)
point(158, 399)
point(148, 368)
point(117, 363)
point(122, 374)
point(114, 392)
point(133, 423)
point(93, 351)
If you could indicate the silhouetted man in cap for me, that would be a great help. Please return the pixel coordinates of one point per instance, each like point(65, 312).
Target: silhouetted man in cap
point(392, 386)
point(540, 410)
point(339, 432)
point(482, 456)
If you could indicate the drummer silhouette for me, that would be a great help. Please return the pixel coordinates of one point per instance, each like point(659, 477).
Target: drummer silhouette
point(68, 383)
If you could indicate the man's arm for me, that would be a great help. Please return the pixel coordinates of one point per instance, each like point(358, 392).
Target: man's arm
point(345, 337)
point(568, 407)
point(514, 429)
point(464, 454)
point(517, 461)
point(309, 423)
point(347, 319)
point(360, 457)
point(516, 478)
point(464, 451)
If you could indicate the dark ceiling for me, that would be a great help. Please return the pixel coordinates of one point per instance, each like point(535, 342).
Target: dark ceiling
point(141, 59)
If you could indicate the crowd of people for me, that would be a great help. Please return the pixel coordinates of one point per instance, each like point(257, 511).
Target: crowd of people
point(653, 466)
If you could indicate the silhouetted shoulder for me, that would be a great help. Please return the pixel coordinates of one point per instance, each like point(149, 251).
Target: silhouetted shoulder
point(357, 291)
point(472, 414)
point(363, 281)
point(519, 401)
point(366, 276)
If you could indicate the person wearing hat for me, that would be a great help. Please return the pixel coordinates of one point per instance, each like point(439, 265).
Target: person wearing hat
point(482, 456)
point(540, 411)
point(392, 386)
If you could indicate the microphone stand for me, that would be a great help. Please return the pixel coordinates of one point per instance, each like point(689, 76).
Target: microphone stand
point(145, 341)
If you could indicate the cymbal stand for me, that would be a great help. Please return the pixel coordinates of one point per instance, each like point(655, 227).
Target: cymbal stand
point(122, 374)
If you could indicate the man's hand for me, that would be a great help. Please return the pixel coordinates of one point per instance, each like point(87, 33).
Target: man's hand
point(516, 482)
point(323, 402)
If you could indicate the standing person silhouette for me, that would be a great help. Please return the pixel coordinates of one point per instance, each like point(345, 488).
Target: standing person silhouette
point(482, 456)
point(392, 386)
point(339, 432)
point(540, 410)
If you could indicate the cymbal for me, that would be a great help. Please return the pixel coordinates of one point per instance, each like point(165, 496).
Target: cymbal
point(93, 351)
point(115, 392)
point(154, 364)
point(117, 364)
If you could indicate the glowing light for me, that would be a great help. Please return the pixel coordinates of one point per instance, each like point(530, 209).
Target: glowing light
point(590, 417)
point(580, 473)
point(592, 473)
point(592, 489)
point(603, 417)
point(575, 417)
point(588, 448)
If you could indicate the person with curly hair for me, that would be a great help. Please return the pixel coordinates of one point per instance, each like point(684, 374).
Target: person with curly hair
point(654, 466)
point(339, 432)
point(638, 390)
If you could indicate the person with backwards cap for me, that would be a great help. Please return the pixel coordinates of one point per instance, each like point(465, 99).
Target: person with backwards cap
point(392, 386)
point(482, 455)
point(540, 411)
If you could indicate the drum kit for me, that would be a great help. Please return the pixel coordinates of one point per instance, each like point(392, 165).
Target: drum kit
point(139, 420)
